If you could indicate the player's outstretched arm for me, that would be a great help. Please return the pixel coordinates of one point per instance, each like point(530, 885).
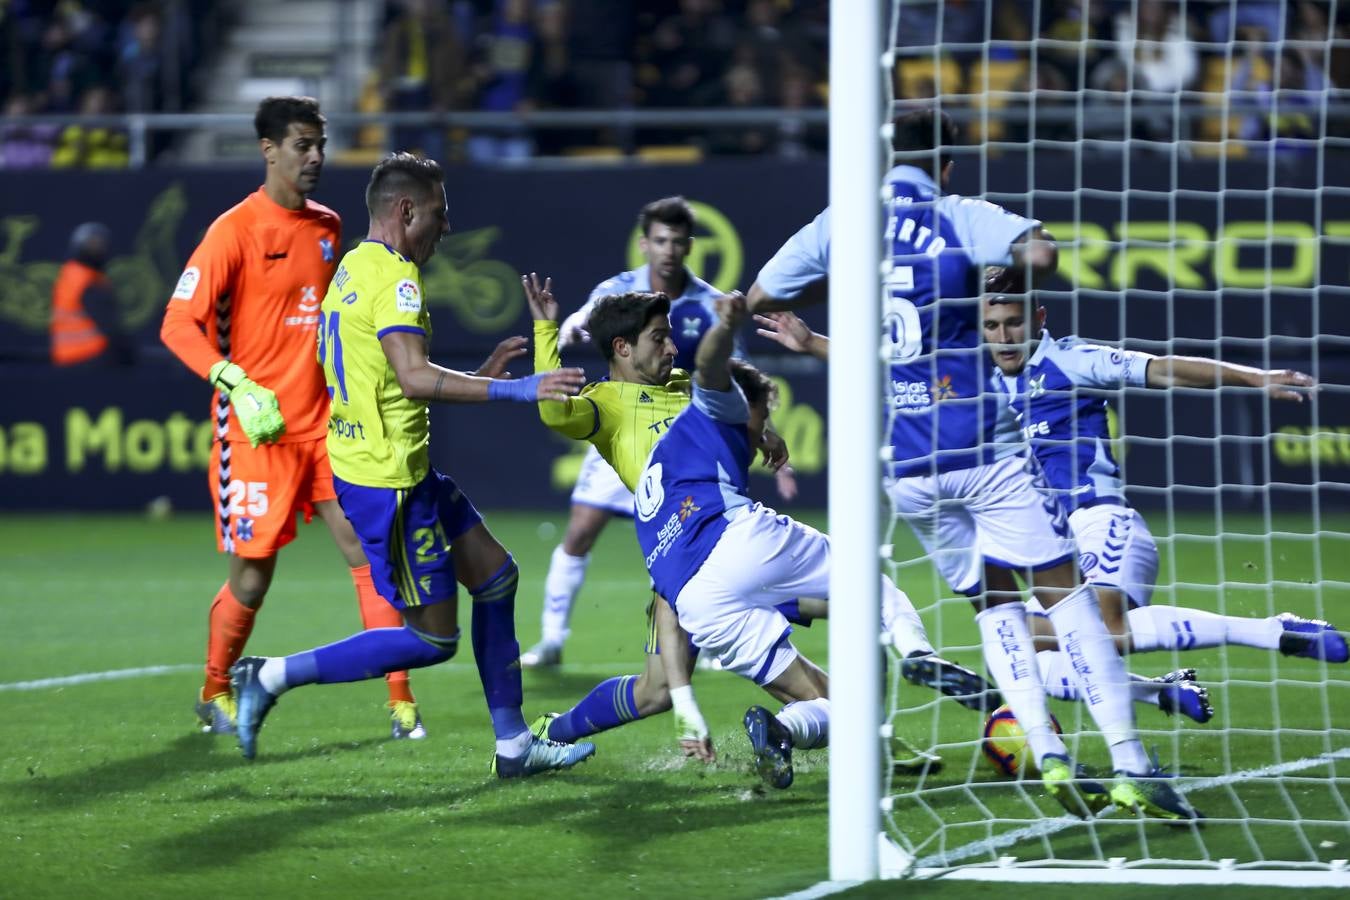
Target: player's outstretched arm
point(421, 379)
point(1192, 371)
point(714, 350)
point(761, 301)
point(786, 329)
point(574, 419)
point(691, 731)
point(1035, 255)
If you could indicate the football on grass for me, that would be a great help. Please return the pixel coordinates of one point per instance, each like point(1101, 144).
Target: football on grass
point(1005, 744)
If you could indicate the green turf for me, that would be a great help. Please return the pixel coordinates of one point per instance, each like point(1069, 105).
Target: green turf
point(106, 788)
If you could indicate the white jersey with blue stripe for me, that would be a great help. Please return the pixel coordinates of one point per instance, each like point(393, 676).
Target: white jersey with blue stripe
point(1068, 428)
point(945, 417)
point(696, 478)
point(691, 313)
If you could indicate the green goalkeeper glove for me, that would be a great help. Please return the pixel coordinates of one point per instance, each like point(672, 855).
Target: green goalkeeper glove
point(254, 405)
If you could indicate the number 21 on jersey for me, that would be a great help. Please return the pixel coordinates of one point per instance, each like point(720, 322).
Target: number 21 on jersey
point(330, 353)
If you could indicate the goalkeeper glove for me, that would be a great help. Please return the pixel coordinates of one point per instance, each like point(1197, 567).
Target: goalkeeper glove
point(254, 405)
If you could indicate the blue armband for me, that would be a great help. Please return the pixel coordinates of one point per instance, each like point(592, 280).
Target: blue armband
point(516, 390)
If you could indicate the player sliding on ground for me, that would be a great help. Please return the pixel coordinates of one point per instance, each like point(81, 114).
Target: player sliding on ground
point(724, 562)
point(1068, 433)
point(623, 417)
point(419, 530)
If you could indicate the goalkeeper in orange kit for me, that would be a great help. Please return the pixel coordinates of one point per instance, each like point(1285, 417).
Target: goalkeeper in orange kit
point(244, 316)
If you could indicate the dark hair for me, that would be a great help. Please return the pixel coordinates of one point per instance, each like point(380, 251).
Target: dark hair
point(757, 387)
point(674, 212)
point(401, 175)
point(275, 115)
point(623, 315)
point(922, 137)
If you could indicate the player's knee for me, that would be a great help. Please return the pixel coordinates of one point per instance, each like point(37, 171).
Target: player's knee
point(439, 648)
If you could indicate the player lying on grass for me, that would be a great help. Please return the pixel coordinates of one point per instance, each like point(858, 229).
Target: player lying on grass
point(623, 417)
point(1174, 693)
point(418, 529)
point(1069, 433)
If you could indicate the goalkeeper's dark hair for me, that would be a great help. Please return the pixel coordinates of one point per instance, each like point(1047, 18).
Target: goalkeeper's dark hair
point(276, 114)
point(401, 175)
point(757, 387)
point(624, 316)
point(674, 212)
point(923, 137)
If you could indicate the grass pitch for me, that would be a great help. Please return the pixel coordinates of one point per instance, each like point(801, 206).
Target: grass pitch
point(108, 789)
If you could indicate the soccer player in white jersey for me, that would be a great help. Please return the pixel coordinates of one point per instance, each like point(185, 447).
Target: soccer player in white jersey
point(667, 229)
point(1069, 435)
point(957, 473)
point(697, 527)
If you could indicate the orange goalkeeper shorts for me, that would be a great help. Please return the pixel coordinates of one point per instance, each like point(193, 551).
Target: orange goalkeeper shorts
point(267, 487)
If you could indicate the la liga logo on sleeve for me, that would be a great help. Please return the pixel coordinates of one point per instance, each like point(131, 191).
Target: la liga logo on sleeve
point(408, 297)
point(187, 283)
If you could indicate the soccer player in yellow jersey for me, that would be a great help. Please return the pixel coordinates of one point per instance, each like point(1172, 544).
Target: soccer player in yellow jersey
point(418, 529)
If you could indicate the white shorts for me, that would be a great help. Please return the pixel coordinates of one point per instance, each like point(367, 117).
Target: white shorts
point(1002, 513)
point(1116, 549)
point(761, 560)
point(598, 485)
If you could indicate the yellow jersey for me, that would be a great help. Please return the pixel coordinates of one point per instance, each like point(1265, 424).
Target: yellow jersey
point(376, 436)
point(622, 419)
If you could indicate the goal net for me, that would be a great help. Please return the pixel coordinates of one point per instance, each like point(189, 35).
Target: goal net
point(1191, 160)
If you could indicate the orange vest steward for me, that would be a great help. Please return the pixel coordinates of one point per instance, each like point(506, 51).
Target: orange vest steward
point(75, 337)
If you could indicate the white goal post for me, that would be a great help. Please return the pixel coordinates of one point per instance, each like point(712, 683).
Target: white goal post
point(1209, 218)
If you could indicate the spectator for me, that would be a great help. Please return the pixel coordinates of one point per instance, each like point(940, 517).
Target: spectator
point(796, 139)
point(503, 78)
point(421, 69)
point(25, 146)
point(551, 85)
point(1288, 91)
point(85, 325)
point(1164, 58)
point(743, 88)
point(92, 146)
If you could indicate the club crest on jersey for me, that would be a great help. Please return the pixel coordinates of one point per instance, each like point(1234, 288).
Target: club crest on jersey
point(326, 248)
point(407, 296)
point(1036, 387)
point(187, 283)
point(243, 529)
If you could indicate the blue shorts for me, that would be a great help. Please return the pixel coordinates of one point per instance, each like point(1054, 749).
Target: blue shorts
point(406, 534)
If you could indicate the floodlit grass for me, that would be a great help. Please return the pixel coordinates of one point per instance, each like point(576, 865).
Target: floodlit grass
point(107, 788)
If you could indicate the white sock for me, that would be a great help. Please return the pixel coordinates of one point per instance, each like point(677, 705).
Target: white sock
point(1008, 654)
point(272, 675)
point(1179, 628)
point(513, 747)
point(808, 721)
point(1100, 675)
point(1060, 683)
point(566, 573)
point(902, 621)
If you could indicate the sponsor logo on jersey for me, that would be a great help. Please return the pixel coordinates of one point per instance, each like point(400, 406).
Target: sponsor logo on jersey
point(644, 397)
point(1087, 562)
point(187, 283)
point(408, 297)
point(687, 508)
point(910, 395)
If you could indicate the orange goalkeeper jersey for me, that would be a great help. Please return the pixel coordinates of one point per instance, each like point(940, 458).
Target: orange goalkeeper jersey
point(251, 292)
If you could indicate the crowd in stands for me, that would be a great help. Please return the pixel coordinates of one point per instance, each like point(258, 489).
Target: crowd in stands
point(1264, 66)
point(90, 58)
